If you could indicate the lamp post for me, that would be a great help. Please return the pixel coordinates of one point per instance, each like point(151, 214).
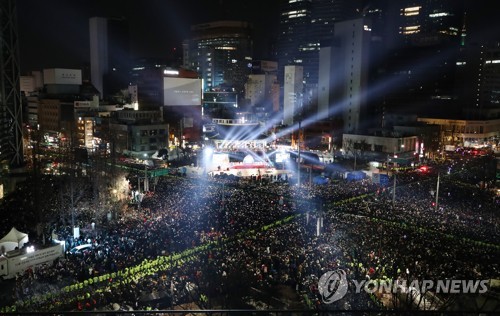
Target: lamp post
point(355, 158)
point(140, 196)
point(437, 192)
point(319, 220)
point(146, 181)
point(394, 189)
point(223, 212)
point(298, 155)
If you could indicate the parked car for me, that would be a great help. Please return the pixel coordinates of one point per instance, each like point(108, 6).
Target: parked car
point(81, 249)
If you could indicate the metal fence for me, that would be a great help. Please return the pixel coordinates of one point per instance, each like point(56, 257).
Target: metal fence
point(231, 312)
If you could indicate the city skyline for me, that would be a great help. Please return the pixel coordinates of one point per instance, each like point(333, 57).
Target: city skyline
point(422, 65)
point(47, 39)
point(55, 33)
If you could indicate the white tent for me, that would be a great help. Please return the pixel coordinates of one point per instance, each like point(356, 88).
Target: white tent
point(13, 239)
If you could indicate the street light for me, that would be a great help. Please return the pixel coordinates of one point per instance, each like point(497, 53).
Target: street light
point(394, 189)
point(146, 181)
point(437, 193)
point(140, 196)
point(298, 156)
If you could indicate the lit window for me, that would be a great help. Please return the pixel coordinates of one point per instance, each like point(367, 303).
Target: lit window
point(438, 14)
point(411, 11)
point(411, 29)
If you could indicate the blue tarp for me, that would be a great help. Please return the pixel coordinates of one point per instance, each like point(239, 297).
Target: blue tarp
point(320, 180)
point(356, 175)
point(384, 179)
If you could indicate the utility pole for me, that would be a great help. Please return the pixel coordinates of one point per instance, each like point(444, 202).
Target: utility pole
point(437, 192)
point(140, 196)
point(298, 156)
point(138, 183)
point(310, 175)
point(223, 207)
point(319, 221)
point(355, 157)
point(181, 127)
point(332, 147)
point(181, 140)
point(146, 180)
point(394, 191)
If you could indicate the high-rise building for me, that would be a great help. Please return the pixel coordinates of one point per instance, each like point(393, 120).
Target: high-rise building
point(414, 71)
point(479, 82)
point(177, 91)
point(139, 133)
point(478, 68)
point(262, 87)
point(292, 45)
point(304, 25)
point(259, 90)
point(344, 75)
point(307, 26)
point(429, 22)
point(293, 95)
point(109, 54)
point(11, 139)
point(147, 76)
point(221, 52)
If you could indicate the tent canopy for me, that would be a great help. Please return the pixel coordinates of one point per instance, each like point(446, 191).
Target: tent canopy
point(13, 239)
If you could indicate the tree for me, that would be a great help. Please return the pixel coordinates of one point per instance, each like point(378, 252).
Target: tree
point(72, 191)
point(361, 147)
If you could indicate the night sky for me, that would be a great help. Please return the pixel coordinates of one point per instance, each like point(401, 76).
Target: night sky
point(55, 33)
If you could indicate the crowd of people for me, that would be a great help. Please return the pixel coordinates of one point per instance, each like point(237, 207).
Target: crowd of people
point(212, 240)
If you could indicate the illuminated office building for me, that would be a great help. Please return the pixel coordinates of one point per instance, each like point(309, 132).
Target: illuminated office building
point(478, 72)
point(343, 75)
point(430, 22)
point(304, 25)
point(221, 52)
point(414, 72)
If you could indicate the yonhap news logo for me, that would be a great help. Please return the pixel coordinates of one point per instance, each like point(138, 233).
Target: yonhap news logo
point(333, 286)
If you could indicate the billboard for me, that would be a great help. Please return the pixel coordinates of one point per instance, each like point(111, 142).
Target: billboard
point(181, 91)
point(264, 66)
point(82, 104)
point(62, 76)
point(380, 178)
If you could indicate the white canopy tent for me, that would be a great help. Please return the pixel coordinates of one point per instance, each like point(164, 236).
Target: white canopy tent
point(13, 239)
